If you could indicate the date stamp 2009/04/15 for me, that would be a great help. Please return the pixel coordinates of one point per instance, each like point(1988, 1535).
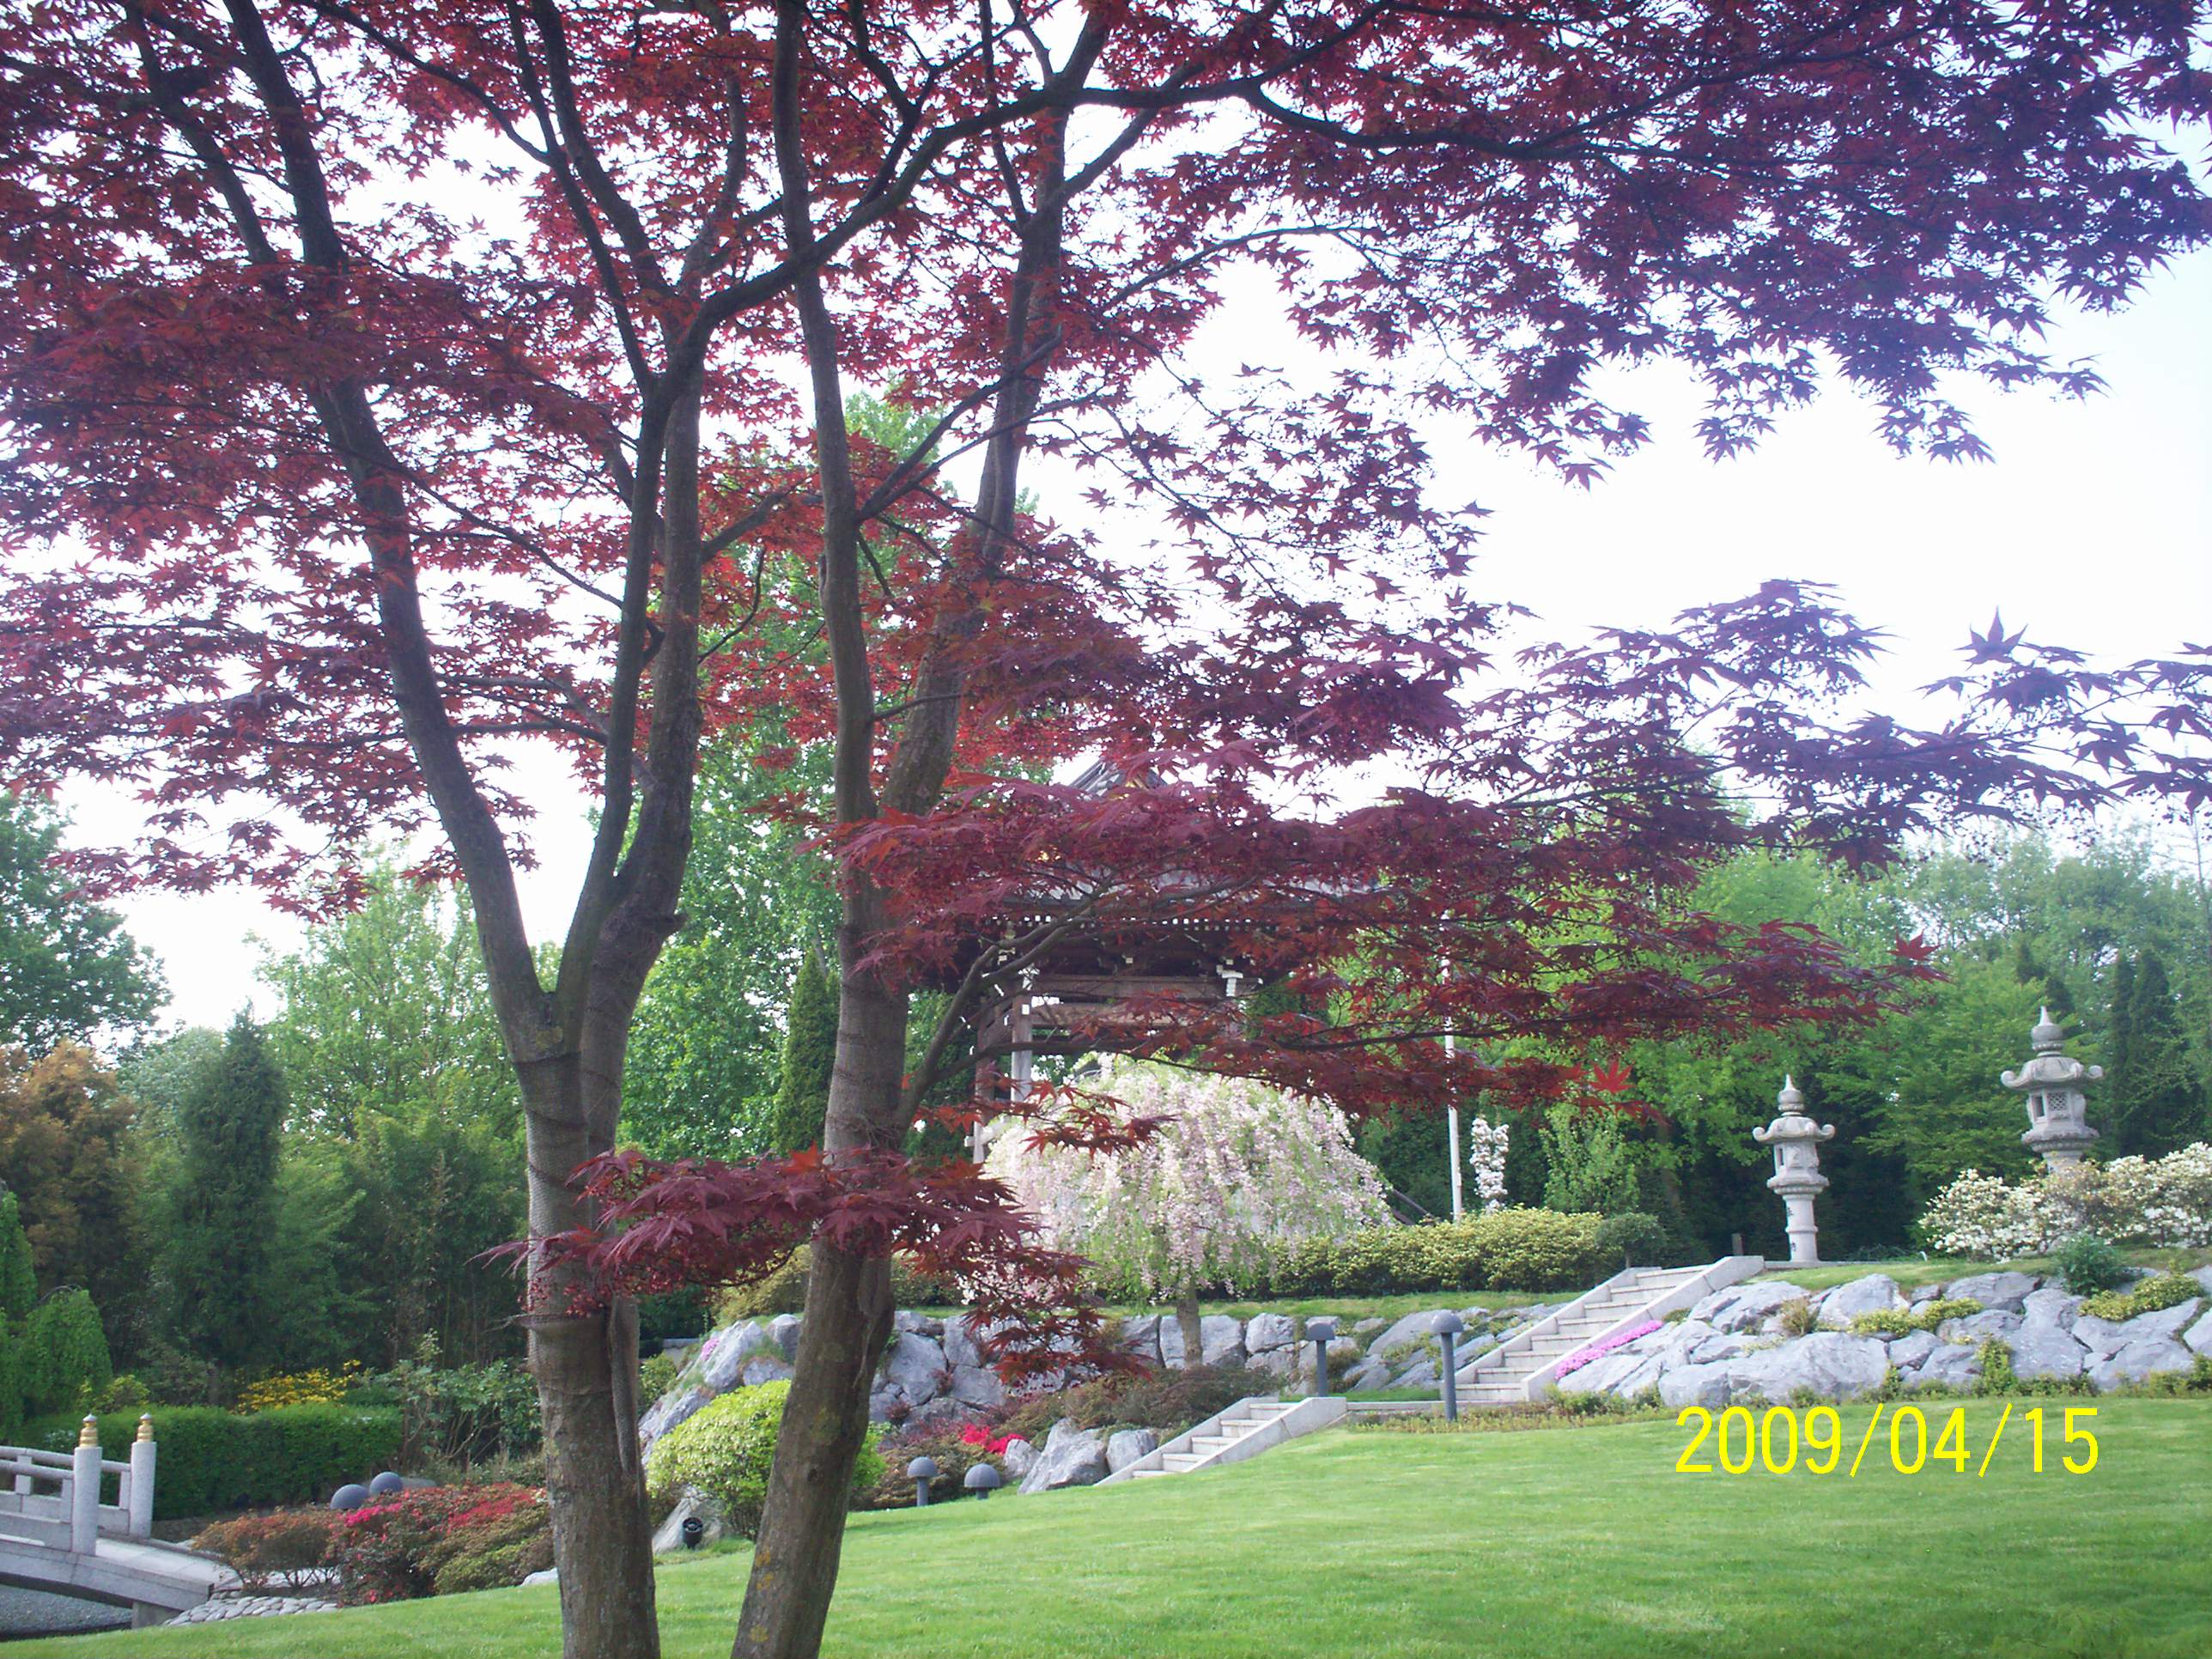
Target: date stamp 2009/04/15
point(1782, 1438)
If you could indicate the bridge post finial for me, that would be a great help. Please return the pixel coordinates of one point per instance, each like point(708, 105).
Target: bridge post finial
point(87, 1433)
point(145, 1426)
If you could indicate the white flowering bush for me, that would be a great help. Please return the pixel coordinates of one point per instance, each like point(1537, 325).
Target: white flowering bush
point(1487, 1156)
point(2165, 1201)
point(1239, 1177)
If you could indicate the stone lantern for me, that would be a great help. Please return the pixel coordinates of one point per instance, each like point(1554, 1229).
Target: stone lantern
point(1796, 1178)
point(2057, 1126)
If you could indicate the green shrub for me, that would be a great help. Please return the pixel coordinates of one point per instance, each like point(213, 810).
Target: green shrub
point(455, 1416)
point(2087, 1264)
point(724, 1448)
point(2159, 1291)
point(1796, 1317)
point(1632, 1238)
point(66, 1365)
point(1509, 1249)
point(1903, 1322)
point(1997, 1374)
point(655, 1377)
point(211, 1460)
point(281, 1551)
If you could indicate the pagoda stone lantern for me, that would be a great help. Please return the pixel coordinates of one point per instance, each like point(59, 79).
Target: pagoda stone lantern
point(2057, 1126)
point(1797, 1178)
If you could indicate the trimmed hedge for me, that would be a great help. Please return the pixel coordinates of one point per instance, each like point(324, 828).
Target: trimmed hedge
point(1507, 1249)
point(212, 1461)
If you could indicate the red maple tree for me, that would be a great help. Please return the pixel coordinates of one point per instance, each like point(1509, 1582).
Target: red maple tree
point(385, 382)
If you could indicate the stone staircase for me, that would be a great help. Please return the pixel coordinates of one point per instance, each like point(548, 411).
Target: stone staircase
point(1523, 1366)
point(1244, 1430)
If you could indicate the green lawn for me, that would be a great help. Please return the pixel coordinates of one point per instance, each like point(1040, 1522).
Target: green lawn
point(1581, 1543)
point(1912, 1270)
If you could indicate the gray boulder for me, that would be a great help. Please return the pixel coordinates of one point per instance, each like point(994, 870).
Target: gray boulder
point(1398, 1343)
point(2202, 1276)
point(919, 1324)
point(2043, 1347)
point(1621, 1374)
point(783, 1331)
point(1221, 1339)
point(1367, 1373)
point(978, 1386)
point(1748, 1306)
point(2052, 1305)
point(1695, 1385)
point(959, 1344)
point(1267, 1332)
point(1070, 1457)
point(1140, 1335)
point(722, 1357)
point(1873, 1293)
point(690, 1502)
point(1906, 1353)
point(1019, 1458)
point(1949, 1364)
point(763, 1368)
point(2199, 1336)
point(2006, 1290)
point(1979, 1328)
point(1421, 1374)
point(1129, 1446)
point(1275, 1362)
point(1172, 1344)
point(914, 1365)
point(667, 1412)
point(1829, 1364)
point(2155, 1357)
point(1368, 1326)
point(550, 1576)
point(2163, 1324)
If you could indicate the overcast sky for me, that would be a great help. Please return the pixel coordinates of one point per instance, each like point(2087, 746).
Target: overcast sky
point(2092, 526)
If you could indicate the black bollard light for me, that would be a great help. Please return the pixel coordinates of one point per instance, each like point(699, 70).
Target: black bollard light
point(1448, 1325)
point(695, 1532)
point(1323, 1332)
point(921, 1472)
point(982, 1480)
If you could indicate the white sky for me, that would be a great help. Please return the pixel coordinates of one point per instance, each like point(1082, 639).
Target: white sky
point(2092, 526)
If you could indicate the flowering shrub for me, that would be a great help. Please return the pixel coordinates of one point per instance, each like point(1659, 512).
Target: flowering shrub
point(1597, 1350)
point(974, 1434)
point(1237, 1177)
point(284, 1550)
point(319, 1387)
point(1486, 1154)
point(437, 1540)
point(2165, 1201)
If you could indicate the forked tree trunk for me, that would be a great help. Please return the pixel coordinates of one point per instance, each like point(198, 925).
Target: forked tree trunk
point(586, 1369)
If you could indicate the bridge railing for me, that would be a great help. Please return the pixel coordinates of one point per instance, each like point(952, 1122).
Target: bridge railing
point(55, 1497)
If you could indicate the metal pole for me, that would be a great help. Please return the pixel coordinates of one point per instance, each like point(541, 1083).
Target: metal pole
point(1321, 1366)
point(1451, 1382)
point(1451, 1120)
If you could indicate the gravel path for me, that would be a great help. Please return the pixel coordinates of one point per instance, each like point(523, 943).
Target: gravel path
point(37, 1612)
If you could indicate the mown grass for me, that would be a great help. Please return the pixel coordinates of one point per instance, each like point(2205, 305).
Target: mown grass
point(1914, 1270)
point(1552, 1545)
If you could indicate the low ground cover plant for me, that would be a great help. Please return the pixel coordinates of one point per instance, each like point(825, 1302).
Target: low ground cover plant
point(2148, 1296)
point(1903, 1322)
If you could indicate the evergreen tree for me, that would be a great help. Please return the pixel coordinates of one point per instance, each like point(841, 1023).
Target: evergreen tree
point(19, 1284)
point(1412, 1151)
point(810, 1049)
point(2156, 1106)
point(223, 1207)
point(66, 1365)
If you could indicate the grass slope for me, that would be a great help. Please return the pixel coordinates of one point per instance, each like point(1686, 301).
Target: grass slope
point(1576, 1543)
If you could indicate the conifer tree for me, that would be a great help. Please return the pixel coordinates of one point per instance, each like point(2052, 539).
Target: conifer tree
point(810, 1050)
point(2156, 1105)
point(19, 1294)
point(224, 1202)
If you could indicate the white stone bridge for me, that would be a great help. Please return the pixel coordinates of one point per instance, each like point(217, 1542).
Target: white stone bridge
point(58, 1532)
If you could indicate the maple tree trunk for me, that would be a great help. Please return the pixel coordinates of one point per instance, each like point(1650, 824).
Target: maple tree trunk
point(586, 1369)
point(846, 1324)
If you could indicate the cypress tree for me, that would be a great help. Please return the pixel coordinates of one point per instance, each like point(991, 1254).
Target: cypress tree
point(64, 1354)
point(2158, 1108)
point(810, 1051)
point(19, 1294)
point(223, 1212)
